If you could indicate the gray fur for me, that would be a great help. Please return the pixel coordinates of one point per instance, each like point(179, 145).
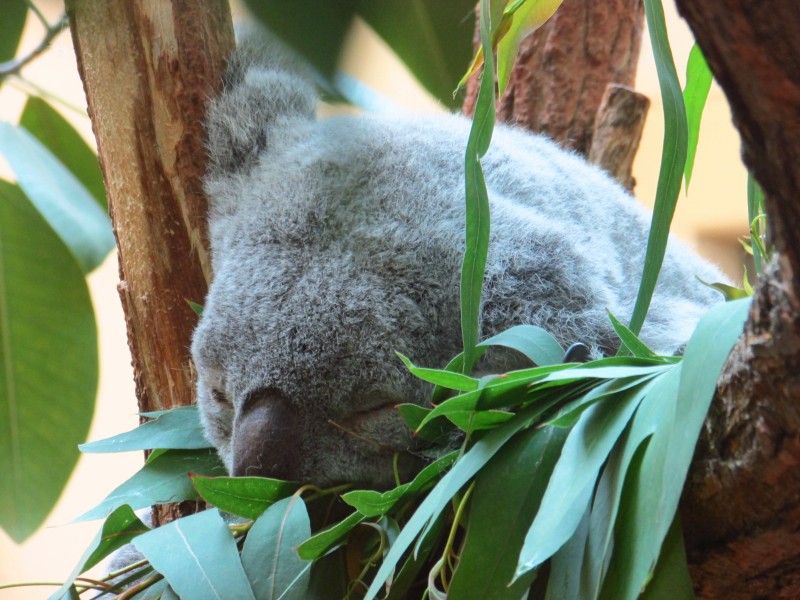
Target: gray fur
point(338, 242)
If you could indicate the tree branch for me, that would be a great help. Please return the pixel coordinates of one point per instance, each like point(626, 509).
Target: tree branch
point(13, 67)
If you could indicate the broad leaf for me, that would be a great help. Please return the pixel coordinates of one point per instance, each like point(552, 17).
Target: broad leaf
point(62, 200)
point(48, 364)
point(198, 557)
point(11, 25)
point(246, 497)
point(162, 479)
point(269, 557)
point(511, 487)
point(535, 343)
point(179, 428)
point(57, 135)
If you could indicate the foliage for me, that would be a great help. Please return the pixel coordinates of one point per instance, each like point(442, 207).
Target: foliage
point(577, 466)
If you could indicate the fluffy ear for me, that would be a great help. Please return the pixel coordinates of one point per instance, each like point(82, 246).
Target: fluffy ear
point(264, 85)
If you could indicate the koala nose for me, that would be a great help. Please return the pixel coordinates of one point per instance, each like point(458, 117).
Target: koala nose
point(266, 437)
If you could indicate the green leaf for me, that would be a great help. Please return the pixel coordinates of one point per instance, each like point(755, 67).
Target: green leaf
point(477, 200)
point(446, 379)
point(506, 497)
point(11, 25)
point(120, 527)
point(564, 580)
point(329, 577)
point(464, 470)
point(179, 428)
point(48, 364)
point(570, 488)
point(630, 340)
point(524, 18)
point(375, 504)
point(196, 308)
point(432, 431)
point(246, 497)
point(163, 479)
point(269, 557)
point(198, 557)
point(407, 574)
point(673, 160)
point(60, 198)
point(671, 579)
point(650, 500)
point(433, 39)
point(729, 292)
point(57, 135)
point(320, 543)
point(755, 208)
point(534, 342)
point(698, 83)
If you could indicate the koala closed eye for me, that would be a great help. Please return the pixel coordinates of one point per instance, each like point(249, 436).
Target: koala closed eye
point(338, 242)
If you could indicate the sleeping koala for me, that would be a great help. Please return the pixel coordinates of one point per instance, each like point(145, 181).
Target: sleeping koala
point(337, 242)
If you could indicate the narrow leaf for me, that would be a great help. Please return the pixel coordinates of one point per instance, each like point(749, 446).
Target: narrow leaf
point(446, 379)
point(534, 342)
point(631, 341)
point(320, 543)
point(198, 557)
point(673, 160)
point(48, 364)
point(698, 84)
point(11, 25)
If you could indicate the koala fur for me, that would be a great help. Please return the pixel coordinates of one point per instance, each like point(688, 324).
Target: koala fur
point(337, 242)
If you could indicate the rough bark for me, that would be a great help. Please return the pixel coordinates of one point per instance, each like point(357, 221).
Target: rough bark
point(563, 69)
point(148, 67)
point(743, 497)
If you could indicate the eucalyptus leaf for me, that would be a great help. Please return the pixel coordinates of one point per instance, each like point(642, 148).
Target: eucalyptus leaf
point(320, 543)
point(506, 497)
point(464, 469)
point(179, 428)
point(695, 94)
point(629, 339)
point(587, 447)
point(48, 364)
point(164, 479)
point(371, 503)
point(535, 343)
point(120, 527)
point(57, 194)
point(269, 557)
point(246, 497)
point(564, 580)
point(673, 160)
point(57, 135)
point(447, 379)
point(671, 579)
point(198, 557)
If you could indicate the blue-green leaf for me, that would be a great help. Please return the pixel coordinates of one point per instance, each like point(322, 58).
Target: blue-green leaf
point(163, 479)
point(48, 364)
point(71, 211)
point(198, 557)
point(269, 557)
point(179, 428)
point(534, 342)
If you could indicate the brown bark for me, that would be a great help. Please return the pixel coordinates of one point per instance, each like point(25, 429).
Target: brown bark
point(148, 67)
point(743, 498)
point(563, 69)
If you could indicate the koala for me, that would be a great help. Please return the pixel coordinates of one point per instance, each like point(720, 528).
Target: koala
point(338, 242)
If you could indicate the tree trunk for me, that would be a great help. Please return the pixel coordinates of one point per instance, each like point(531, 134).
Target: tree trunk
point(742, 509)
point(148, 67)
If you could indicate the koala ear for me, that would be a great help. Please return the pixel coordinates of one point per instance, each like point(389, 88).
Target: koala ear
point(265, 87)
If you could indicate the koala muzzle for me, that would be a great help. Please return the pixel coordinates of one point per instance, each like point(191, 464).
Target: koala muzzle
point(265, 437)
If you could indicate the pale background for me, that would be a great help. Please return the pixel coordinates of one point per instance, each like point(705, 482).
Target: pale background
point(711, 219)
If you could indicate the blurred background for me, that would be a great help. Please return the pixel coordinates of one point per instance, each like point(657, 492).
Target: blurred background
point(711, 219)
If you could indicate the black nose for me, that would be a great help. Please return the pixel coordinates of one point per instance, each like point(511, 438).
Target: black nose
point(267, 438)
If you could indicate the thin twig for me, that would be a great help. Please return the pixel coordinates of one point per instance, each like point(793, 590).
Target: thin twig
point(13, 67)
